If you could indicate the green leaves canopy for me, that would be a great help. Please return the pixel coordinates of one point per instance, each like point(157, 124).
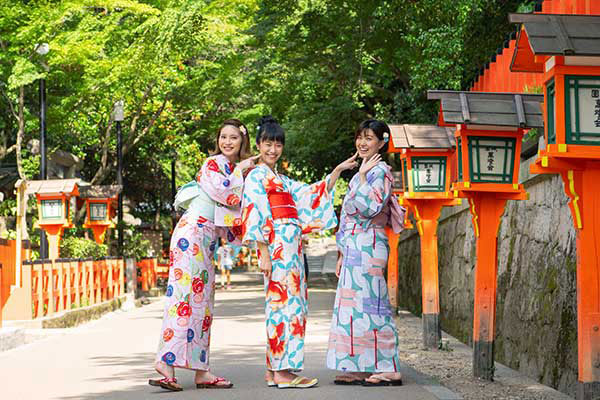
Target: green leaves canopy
point(181, 67)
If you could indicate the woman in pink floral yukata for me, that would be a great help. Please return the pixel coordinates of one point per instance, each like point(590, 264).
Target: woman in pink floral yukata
point(213, 211)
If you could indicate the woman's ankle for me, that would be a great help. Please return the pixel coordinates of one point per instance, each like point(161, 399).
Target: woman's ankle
point(165, 370)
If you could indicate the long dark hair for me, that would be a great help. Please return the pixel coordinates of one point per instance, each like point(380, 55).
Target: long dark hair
point(244, 147)
point(269, 129)
point(378, 127)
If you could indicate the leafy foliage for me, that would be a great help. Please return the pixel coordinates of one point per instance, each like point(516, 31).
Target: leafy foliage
point(136, 247)
point(78, 247)
point(182, 67)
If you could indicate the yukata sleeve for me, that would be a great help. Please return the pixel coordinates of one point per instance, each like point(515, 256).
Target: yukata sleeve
point(257, 219)
point(368, 199)
point(314, 204)
point(222, 181)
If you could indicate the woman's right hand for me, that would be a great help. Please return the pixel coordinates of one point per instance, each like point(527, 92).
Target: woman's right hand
point(248, 162)
point(350, 163)
point(266, 267)
point(338, 267)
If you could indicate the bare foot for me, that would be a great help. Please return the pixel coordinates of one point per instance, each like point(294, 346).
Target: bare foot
point(164, 369)
point(269, 376)
point(207, 376)
point(285, 376)
point(384, 376)
point(168, 372)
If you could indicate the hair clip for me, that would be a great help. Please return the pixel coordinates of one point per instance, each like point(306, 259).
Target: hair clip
point(386, 137)
point(243, 130)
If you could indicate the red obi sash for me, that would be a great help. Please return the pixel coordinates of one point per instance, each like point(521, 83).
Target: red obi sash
point(282, 205)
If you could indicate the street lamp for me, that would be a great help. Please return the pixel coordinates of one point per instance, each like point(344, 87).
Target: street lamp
point(119, 115)
point(42, 49)
point(426, 152)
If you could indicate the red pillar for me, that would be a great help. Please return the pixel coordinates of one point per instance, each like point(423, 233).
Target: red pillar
point(486, 210)
point(581, 186)
point(392, 269)
point(427, 215)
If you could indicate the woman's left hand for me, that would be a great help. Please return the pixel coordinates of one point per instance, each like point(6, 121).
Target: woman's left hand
point(367, 165)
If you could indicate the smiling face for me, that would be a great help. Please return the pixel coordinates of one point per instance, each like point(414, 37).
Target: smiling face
point(270, 151)
point(368, 144)
point(230, 142)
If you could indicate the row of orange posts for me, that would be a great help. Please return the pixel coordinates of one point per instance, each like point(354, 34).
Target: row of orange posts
point(560, 53)
point(51, 286)
point(150, 272)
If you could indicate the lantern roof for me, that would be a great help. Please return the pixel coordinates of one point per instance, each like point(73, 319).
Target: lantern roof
point(53, 186)
point(554, 35)
point(422, 136)
point(522, 110)
point(100, 191)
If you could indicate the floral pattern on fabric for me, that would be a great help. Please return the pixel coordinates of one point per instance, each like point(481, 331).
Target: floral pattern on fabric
point(286, 292)
point(189, 301)
point(363, 335)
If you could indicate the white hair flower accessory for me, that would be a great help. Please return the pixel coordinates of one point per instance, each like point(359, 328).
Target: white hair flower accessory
point(243, 130)
point(386, 137)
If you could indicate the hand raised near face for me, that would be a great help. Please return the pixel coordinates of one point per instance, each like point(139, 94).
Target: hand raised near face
point(366, 165)
point(350, 163)
point(248, 162)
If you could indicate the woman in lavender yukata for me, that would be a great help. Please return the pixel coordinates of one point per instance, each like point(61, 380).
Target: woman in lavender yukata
point(213, 208)
point(276, 211)
point(363, 341)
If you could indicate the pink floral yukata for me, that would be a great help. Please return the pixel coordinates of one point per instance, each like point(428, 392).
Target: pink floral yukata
point(213, 207)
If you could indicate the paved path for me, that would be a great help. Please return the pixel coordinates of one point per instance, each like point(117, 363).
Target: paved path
point(112, 358)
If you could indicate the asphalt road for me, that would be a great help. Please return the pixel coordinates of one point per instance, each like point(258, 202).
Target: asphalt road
point(112, 358)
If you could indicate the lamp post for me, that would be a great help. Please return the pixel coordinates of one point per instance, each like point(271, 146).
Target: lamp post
point(118, 114)
point(43, 49)
point(566, 50)
point(489, 131)
point(426, 155)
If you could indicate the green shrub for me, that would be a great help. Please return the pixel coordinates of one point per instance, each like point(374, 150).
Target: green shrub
point(77, 247)
point(136, 247)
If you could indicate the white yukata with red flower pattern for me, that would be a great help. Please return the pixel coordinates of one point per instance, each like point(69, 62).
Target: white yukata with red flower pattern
point(213, 202)
point(286, 292)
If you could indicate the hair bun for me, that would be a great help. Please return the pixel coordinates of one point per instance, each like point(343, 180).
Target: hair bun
point(267, 119)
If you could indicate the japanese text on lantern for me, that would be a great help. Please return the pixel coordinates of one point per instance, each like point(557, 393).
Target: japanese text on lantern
point(428, 173)
point(596, 95)
point(490, 158)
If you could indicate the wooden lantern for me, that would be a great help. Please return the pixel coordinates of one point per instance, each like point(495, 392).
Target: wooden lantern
point(426, 154)
point(489, 132)
point(53, 198)
point(566, 50)
point(100, 208)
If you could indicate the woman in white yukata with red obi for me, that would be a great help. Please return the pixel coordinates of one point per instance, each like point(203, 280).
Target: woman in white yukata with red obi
point(276, 211)
point(213, 211)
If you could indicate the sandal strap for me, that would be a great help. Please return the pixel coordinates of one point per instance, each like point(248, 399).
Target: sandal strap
point(218, 379)
point(169, 380)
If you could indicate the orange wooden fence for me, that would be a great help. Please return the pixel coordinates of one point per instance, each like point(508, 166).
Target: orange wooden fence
point(498, 77)
point(65, 284)
point(147, 276)
point(8, 250)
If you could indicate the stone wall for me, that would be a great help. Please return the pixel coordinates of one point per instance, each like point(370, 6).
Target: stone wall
point(536, 317)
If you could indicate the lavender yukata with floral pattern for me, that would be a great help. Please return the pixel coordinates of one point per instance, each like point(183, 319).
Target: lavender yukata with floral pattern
point(363, 335)
point(286, 292)
point(213, 207)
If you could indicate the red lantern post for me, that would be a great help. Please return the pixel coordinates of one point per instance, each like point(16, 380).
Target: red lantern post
point(566, 50)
